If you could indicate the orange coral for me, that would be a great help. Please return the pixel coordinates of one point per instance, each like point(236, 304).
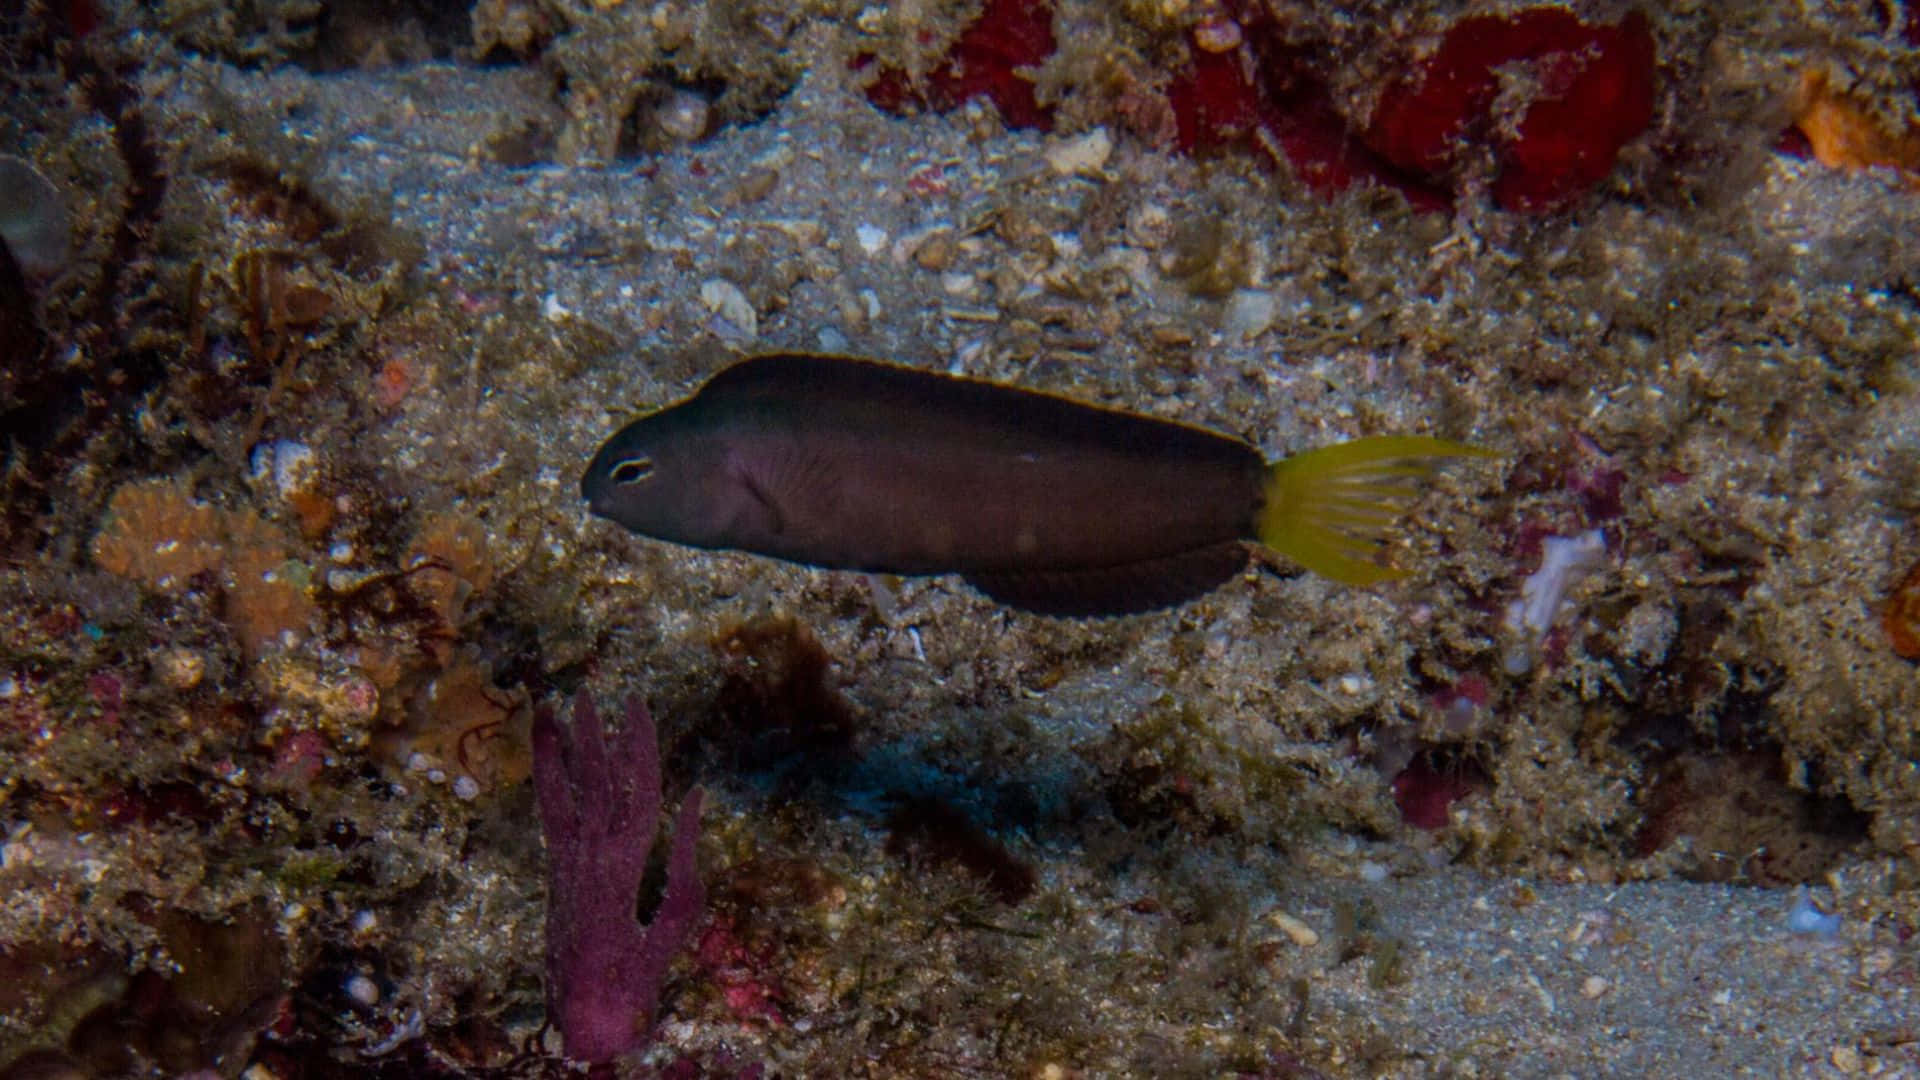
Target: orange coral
point(1845, 134)
point(453, 563)
point(465, 725)
point(158, 534)
point(267, 596)
point(1902, 615)
point(314, 510)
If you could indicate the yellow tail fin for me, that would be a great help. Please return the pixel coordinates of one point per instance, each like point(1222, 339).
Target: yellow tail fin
point(1331, 508)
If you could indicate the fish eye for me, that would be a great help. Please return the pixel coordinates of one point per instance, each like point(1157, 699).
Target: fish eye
point(631, 471)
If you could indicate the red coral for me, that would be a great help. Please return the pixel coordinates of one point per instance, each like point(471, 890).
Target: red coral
point(1427, 789)
point(1249, 87)
point(1262, 94)
point(1593, 92)
point(1217, 102)
point(993, 58)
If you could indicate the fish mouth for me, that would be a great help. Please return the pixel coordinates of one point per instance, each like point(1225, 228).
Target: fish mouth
point(592, 493)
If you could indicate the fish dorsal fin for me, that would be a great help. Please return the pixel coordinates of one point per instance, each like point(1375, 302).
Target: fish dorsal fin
point(1128, 589)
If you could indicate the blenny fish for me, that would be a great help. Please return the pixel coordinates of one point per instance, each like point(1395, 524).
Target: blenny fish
point(1043, 503)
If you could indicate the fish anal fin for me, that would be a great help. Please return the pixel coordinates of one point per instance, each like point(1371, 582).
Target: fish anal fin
point(1128, 589)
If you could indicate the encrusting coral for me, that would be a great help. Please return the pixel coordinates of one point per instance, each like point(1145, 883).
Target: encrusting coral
point(156, 533)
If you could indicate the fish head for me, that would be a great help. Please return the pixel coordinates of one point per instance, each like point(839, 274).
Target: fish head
point(672, 476)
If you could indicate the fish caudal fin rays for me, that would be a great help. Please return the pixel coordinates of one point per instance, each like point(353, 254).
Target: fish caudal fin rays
point(1331, 509)
point(1128, 589)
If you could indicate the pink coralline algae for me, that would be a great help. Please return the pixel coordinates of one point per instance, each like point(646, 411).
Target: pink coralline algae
point(599, 795)
point(994, 58)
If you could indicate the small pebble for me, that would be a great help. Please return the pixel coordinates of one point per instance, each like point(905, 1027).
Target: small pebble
point(738, 322)
point(1217, 34)
point(871, 238)
point(1250, 313)
point(466, 787)
point(363, 990)
point(1877, 963)
point(935, 252)
point(684, 115)
point(1846, 1059)
point(852, 312)
point(1149, 226)
point(289, 467)
point(1084, 155)
point(758, 185)
point(182, 669)
point(1805, 918)
point(1593, 987)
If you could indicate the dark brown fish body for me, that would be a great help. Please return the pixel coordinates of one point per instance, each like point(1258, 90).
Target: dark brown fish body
point(1042, 502)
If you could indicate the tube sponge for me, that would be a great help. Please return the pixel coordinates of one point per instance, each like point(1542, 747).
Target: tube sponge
point(599, 795)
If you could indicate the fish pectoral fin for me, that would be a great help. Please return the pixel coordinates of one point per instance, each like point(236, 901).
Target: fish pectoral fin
point(775, 522)
point(1127, 589)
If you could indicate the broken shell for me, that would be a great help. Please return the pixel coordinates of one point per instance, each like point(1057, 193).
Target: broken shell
point(736, 320)
point(1298, 932)
point(1083, 155)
